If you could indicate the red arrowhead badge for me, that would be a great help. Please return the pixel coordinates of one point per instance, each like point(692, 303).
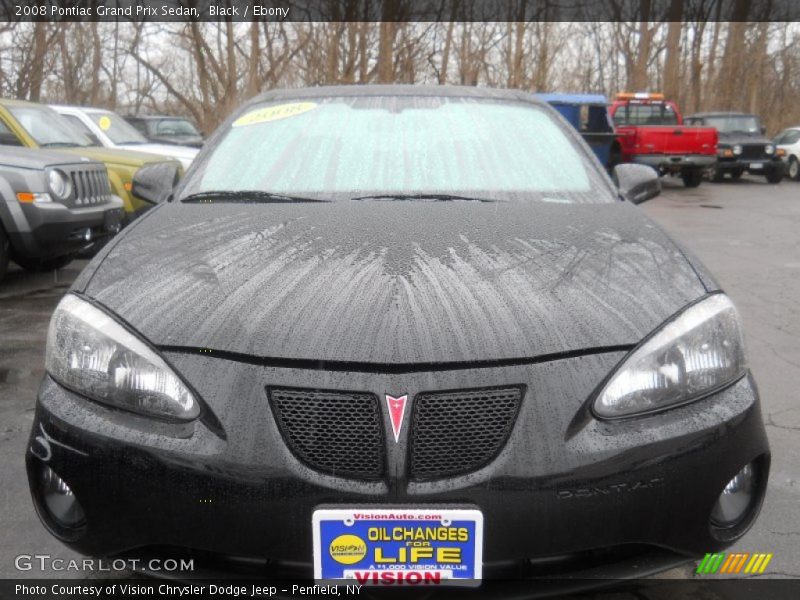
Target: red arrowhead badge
point(397, 408)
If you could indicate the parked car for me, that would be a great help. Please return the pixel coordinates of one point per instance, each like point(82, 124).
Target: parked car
point(167, 130)
point(588, 113)
point(51, 206)
point(742, 148)
point(651, 132)
point(788, 144)
point(371, 314)
point(106, 128)
point(32, 125)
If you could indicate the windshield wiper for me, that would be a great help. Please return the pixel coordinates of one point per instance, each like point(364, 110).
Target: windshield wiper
point(254, 196)
point(441, 197)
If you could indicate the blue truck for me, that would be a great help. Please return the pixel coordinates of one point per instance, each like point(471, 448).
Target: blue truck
point(588, 113)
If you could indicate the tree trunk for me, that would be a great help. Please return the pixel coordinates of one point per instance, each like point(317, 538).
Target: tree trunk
point(639, 80)
point(672, 79)
point(36, 75)
point(387, 31)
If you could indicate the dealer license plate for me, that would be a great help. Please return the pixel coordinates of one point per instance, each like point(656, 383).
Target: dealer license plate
point(756, 165)
point(398, 546)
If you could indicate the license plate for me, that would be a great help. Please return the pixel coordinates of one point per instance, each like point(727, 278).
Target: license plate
point(756, 165)
point(113, 220)
point(398, 546)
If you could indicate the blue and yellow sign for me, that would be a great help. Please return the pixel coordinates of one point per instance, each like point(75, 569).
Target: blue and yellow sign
point(398, 546)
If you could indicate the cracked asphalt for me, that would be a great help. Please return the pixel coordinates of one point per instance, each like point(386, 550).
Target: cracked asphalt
point(747, 233)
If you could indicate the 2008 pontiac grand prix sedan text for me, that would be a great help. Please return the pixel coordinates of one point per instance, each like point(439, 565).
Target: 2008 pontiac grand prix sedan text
point(398, 333)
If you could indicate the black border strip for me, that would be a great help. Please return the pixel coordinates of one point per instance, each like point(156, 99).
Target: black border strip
point(389, 368)
point(395, 11)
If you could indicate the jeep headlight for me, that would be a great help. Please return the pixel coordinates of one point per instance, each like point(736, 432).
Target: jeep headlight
point(59, 184)
point(697, 352)
point(769, 149)
point(737, 149)
point(92, 354)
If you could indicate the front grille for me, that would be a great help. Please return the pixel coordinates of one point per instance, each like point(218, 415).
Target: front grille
point(753, 151)
point(334, 432)
point(90, 186)
point(460, 431)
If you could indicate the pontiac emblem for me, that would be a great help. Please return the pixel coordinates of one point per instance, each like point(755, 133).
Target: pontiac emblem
point(397, 408)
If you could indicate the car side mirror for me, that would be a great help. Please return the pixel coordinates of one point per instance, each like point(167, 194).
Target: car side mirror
point(154, 182)
point(637, 183)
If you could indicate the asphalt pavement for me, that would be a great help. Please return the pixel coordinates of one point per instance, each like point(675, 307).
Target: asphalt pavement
point(746, 232)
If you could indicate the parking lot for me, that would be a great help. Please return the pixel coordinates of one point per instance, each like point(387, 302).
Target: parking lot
point(746, 233)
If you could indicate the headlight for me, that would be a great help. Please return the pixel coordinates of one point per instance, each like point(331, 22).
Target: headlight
point(92, 354)
point(59, 184)
point(769, 148)
point(700, 350)
point(737, 149)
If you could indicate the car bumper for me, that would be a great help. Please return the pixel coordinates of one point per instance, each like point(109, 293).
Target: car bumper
point(751, 165)
point(52, 229)
point(565, 484)
point(667, 161)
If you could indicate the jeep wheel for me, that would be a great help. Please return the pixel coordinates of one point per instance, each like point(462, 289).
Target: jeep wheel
point(717, 174)
point(4, 250)
point(692, 177)
point(49, 264)
point(737, 174)
point(774, 175)
point(794, 169)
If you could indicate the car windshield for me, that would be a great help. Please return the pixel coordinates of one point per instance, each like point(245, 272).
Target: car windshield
point(401, 147)
point(734, 124)
point(116, 128)
point(47, 128)
point(175, 127)
point(653, 113)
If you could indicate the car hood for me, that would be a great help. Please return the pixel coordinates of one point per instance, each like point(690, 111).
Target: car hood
point(182, 153)
point(30, 158)
point(118, 156)
point(186, 140)
point(743, 138)
point(393, 282)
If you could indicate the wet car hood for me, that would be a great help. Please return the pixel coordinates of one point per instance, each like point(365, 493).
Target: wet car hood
point(394, 281)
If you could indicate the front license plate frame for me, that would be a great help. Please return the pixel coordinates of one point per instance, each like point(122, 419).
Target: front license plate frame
point(369, 539)
point(757, 165)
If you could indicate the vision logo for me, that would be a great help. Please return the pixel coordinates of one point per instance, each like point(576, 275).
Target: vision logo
point(733, 563)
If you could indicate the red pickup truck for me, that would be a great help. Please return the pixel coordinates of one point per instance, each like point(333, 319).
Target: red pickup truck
point(651, 132)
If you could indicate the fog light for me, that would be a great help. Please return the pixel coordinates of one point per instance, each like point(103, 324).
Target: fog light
point(736, 498)
point(59, 499)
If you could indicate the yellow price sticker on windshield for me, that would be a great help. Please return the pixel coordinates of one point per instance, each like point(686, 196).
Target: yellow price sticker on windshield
point(105, 123)
point(274, 113)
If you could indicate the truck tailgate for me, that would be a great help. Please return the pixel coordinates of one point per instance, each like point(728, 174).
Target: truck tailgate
point(675, 139)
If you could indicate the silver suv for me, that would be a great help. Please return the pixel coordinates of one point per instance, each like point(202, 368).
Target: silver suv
point(52, 206)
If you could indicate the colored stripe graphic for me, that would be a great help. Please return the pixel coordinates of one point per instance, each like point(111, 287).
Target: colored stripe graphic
point(733, 563)
point(711, 563)
point(758, 563)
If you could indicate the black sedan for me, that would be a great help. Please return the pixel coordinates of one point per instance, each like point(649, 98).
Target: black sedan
point(398, 334)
